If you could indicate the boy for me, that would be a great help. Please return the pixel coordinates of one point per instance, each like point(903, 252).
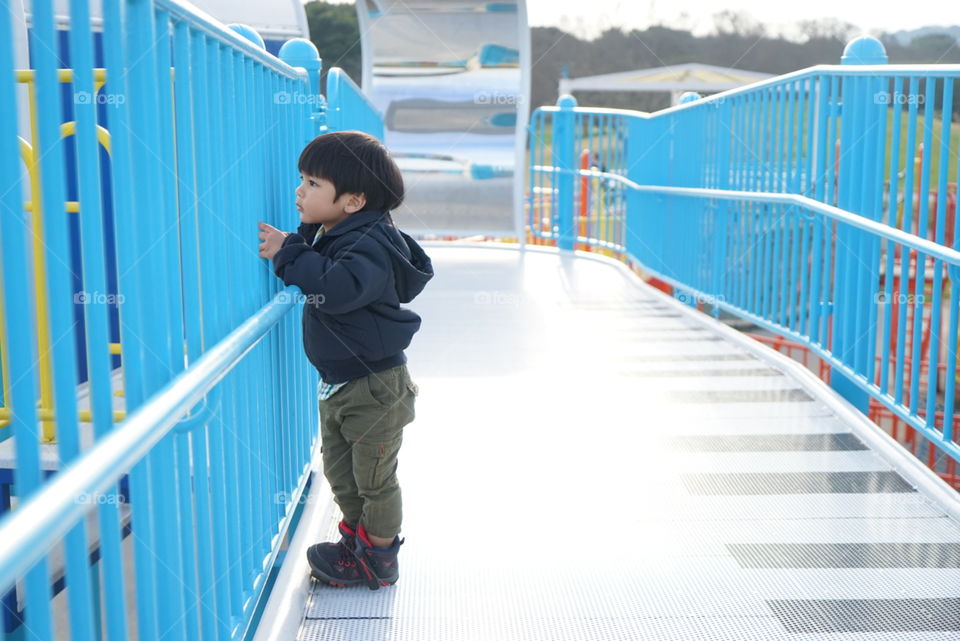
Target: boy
point(355, 269)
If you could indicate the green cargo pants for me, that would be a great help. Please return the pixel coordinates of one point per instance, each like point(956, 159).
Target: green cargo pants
point(361, 428)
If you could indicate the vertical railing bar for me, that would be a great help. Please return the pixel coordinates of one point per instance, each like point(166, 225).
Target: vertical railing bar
point(53, 228)
point(780, 281)
point(210, 597)
point(183, 71)
point(14, 231)
point(117, 33)
point(239, 559)
point(262, 361)
point(805, 305)
point(878, 88)
point(861, 240)
point(790, 225)
point(96, 317)
point(818, 176)
point(744, 209)
point(829, 236)
point(164, 258)
point(907, 257)
point(920, 278)
point(892, 248)
point(227, 583)
point(271, 350)
point(766, 246)
point(845, 259)
point(792, 240)
point(933, 375)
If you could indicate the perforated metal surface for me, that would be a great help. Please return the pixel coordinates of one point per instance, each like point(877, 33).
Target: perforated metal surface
point(881, 615)
point(741, 396)
point(764, 442)
point(661, 373)
point(544, 499)
point(847, 555)
point(796, 483)
point(816, 421)
point(674, 358)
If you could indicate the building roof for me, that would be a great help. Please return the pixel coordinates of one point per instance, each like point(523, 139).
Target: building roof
point(686, 77)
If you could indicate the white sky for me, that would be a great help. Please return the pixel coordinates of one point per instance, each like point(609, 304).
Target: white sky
point(586, 18)
point(697, 15)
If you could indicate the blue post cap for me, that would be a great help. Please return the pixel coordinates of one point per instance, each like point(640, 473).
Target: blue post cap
point(249, 33)
point(689, 96)
point(566, 101)
point(300, 52)
point(864, 50)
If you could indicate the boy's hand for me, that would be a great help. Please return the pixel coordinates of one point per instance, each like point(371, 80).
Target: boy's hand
point(270, 240)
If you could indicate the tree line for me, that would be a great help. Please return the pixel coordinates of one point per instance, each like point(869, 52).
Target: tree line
point(735, 41)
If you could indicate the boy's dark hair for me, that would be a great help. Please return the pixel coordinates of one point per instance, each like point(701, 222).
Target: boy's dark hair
point(356, 163)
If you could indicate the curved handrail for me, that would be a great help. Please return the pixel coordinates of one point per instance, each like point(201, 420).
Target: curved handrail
point(913, 241)
point(47, 515)
point(345, 97)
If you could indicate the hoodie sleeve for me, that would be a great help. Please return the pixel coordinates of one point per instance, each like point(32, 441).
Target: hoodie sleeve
point(353, 278)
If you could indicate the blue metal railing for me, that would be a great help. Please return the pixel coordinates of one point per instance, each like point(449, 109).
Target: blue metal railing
point(348, 107)
point(204, 132)
point(792, 203)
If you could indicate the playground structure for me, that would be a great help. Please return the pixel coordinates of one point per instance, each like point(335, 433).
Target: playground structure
point(451, 78)
point(165, 422)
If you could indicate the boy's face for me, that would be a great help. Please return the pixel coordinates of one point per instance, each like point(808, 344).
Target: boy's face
point(316, 202)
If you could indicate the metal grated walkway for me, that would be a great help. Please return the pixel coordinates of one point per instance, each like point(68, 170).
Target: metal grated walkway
point(591, 460)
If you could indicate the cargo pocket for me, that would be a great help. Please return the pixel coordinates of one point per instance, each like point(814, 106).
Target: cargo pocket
point(375, 465)
point(381, 386)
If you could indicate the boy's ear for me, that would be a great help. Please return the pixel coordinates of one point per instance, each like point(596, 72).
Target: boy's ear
point(355, 202)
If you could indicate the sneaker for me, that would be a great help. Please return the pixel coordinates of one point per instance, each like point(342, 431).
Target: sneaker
point(333, 552)
point(348, 536)
point(339, 566)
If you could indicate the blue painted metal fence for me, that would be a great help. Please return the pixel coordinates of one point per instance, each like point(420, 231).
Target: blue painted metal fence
point(204, 467)
point(349, 108)
point(819, 205)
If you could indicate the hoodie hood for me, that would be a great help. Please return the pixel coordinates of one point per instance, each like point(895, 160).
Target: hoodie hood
point(411, 265)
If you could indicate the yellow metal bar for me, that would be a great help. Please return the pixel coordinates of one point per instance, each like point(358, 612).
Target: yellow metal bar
point(25, 76)
point(103, 136)
point(72, 206)
point(46, 414)
point(40, 271)
point(35, 207)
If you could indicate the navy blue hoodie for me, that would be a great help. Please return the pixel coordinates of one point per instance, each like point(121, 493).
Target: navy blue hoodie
point(355, 277)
